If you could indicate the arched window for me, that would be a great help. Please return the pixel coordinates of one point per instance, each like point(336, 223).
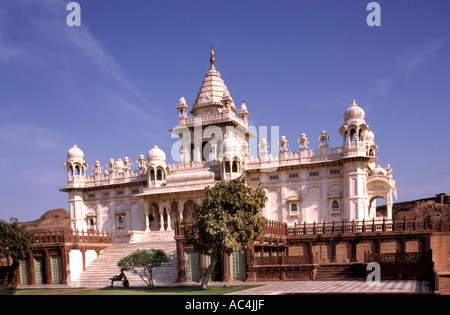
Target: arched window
point(234, 167)
point(206, 151)
point(158, 175)
point(335, 205)
point(152, 175)
point(227, 166)
point(293, 208)
point(352, 135)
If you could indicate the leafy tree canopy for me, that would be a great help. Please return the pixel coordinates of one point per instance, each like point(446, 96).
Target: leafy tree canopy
point(227, 220)
point(15, 240)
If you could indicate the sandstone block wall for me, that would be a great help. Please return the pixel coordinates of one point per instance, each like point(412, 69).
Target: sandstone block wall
point(440, 245)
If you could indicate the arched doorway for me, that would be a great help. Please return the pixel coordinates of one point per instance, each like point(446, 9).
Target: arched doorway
point(153, 217)
point(377, 208)
point(379, 193)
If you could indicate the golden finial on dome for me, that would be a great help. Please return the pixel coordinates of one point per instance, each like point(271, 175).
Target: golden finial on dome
point(212, 58)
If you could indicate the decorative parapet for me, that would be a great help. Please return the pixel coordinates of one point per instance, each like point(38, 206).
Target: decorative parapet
point(105, 179)
point(211, 119)
point(42, 237)
point(192, 165)
point(176, 188)
point(369, 226)
point(292, 158)
point(409, 257)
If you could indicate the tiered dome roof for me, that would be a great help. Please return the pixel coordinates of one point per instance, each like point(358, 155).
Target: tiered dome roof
point(212, 91)
point(354, 112)
point(156, 155)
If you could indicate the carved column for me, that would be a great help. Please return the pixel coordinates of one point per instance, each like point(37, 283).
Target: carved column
point(180, 263)
point(83, 257)
point(180, 209)
point(333, 250)
point(161, 219)
point(226, 267)
point(48, 268)
point(169, 227)
point(64, 262)
point(354, 243)
point(31, 267)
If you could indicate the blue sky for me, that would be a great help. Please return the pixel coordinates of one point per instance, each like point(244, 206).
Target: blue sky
point(112, 85)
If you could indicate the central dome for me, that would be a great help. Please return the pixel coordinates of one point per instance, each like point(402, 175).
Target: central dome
point(354, 112)
point(212, 92)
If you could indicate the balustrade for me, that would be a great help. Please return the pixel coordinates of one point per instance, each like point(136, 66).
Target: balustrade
point(366, 226)
point(407, 257)
point(275, 228)
point(70, 236)
point(283, 260)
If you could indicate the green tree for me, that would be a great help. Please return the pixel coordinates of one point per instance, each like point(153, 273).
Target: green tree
point(15, 241)
point(227, 220)
point(144, 260)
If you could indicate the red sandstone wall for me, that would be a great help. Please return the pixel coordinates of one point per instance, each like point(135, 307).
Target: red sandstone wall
point(440, 245)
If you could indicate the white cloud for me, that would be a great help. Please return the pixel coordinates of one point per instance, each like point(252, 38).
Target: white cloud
point(35, 34)
point(29, 136)
point(415, 57)
point(406, 64)
point(382, 86)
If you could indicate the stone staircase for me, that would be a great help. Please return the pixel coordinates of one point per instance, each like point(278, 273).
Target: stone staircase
point(97, 274)
point(340, 272)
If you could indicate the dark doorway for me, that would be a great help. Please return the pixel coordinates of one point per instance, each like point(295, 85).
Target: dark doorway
point(218, 269)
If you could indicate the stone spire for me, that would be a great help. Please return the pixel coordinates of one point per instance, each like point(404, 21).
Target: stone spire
point(212, 60)
point(209, 98)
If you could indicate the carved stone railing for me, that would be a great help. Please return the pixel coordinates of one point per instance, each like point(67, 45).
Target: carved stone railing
point(281, 229)
point(270, 260)
point(70, 236)
point(369, 226)
point(408, 257)
point(283, 260)
point(102, 179)
point(276, 228)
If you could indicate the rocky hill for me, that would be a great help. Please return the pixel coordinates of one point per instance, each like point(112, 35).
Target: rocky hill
point(52, 219)
point(436, 207)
